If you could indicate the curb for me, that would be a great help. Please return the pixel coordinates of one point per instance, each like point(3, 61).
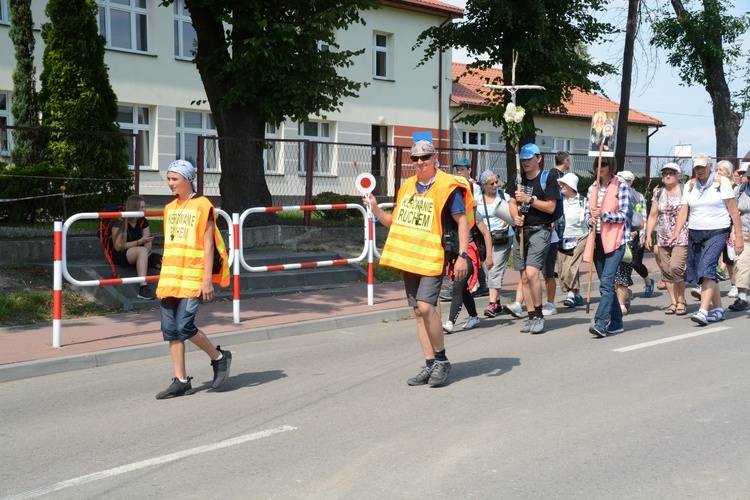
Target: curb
point(42, 367)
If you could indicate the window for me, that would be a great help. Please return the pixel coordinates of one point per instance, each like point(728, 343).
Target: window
point(317, 132)
point(381, 46)
point(185, 40)
point(474, 140)
point(124, 24)
point(271, 150)
point(190, 126)
point(5, 136)
point(4, 17)
point(559, 144)
point(135, 120)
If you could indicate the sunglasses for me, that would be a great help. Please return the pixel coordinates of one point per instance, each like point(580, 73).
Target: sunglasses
point(423, 158)
point(665, 174)
point(493, 183)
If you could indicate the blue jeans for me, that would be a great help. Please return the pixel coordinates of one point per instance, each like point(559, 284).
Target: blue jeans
point(608, 312)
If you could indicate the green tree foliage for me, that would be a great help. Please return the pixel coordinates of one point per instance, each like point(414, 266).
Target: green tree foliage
point(28, 146)
point(260, 62)
point(76, 100)
point(706, 47)
point(548, 36)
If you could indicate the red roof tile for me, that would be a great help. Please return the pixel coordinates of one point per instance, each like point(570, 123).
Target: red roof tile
point(469, 91)
point(429, 6)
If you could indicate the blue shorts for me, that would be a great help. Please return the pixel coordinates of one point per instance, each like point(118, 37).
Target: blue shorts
point(178, 318)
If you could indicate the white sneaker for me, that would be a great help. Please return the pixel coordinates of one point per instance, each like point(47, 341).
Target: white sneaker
point(471, 323)
point(514, 309)
point(549, 309)
point(732, 292)
point(696, 292)
point(448, 326)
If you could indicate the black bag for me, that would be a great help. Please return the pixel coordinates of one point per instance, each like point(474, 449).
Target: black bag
point(500, 236)
point(478, 239)
point(218, 261)
point(154, 260)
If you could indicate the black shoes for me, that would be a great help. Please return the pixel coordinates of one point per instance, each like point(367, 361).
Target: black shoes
point(176, 389)
point(221, 368)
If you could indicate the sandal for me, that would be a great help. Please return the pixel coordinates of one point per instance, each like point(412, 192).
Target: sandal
point(716, 316)
point(672, 309)
point(681, 309)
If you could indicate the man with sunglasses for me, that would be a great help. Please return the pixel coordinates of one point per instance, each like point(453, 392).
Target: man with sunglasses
point(432, 218)
point(534, 212)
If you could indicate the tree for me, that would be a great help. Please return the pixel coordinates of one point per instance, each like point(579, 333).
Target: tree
point(76, 97)
point(625, 84)
point(28, 146)
point(260, 62)
point(547, 34)
point(702, 44)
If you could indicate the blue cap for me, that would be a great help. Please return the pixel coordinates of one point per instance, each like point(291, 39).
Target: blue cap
point(529, 150)
point(463, 162)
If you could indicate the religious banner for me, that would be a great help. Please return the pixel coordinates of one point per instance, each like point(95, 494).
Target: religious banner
point(603, 133)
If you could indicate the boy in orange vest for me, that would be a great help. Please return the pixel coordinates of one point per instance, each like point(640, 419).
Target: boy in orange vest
point(186, 277)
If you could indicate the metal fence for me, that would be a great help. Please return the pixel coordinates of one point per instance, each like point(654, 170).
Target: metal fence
point(296, 172)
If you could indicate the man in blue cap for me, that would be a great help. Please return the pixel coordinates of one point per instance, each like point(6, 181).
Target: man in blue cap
point(534, 212)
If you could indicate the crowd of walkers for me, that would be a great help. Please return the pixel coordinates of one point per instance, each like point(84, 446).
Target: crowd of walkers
point(446, 223)
point(697, 228)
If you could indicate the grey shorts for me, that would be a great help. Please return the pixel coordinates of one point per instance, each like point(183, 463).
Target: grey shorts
point(536, 244)
point(422, 288)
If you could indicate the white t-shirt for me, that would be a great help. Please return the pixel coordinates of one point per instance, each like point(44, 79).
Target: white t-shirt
point(708, 211)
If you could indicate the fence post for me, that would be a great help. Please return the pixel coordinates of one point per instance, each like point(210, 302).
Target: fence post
point(310, 150)
point(199, 160)
point(397, 180)
point(57, 285)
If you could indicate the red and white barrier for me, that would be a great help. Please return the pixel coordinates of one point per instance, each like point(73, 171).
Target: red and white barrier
point(60, 269)
point(299, 265)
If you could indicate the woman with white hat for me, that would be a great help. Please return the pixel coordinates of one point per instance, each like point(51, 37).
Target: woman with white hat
point(665, 206)
point(573, 243)
point(710, 212)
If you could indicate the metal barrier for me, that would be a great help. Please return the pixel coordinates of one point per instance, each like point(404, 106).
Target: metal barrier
point(236, 257)
point(61, 263)
point(240, 259)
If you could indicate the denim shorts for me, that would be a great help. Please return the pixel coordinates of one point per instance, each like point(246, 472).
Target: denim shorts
point(178, 318)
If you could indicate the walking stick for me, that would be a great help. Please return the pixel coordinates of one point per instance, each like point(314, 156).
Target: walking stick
point(518, 203)
point(595, 198)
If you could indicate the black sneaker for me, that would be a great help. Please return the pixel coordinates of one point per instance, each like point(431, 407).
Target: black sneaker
point(481, 292)
point(598, 331)
point(177, 389)
point(738, 305)
point(420, 378)
point(439, 374)
point(221, 368)
point(146, 293)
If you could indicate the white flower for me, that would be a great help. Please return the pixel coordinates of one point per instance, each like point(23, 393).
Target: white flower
point(510, 112)
point(514, 114)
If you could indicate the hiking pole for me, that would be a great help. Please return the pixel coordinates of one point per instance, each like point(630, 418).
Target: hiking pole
point(518, 203)
point(595, 197)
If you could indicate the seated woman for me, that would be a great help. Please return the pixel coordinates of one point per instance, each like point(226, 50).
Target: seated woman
point(132, 240)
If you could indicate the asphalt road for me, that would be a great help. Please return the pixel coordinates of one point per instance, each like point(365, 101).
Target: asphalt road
point(660, 411)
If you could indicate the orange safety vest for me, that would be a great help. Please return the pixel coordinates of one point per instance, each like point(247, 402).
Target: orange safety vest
point(415, 238)
point(182, 267)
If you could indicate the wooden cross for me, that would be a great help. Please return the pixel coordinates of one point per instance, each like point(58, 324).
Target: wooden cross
point(513, 88)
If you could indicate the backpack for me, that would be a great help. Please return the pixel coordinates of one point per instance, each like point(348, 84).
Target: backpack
point(559, 214)
point(104, 233)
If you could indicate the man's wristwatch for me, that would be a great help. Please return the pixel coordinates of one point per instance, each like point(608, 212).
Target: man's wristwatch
point(532, 200)
point(464, 255)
